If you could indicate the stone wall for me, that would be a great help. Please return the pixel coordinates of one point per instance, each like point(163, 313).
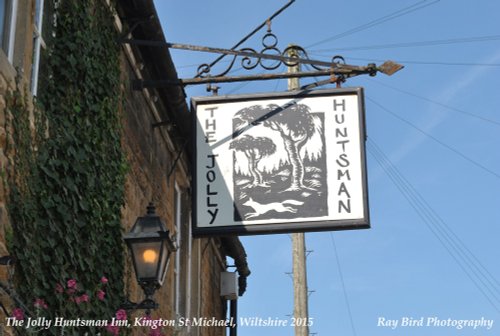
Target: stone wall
point(7, 76)
point(146, 181)
point(7, 83)
point(150, 153)
point(23, 51)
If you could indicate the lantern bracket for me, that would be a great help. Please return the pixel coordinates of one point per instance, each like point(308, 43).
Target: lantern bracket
point(147, 304)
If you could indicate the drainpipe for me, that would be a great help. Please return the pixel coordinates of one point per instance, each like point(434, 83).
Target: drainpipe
point(233, 311)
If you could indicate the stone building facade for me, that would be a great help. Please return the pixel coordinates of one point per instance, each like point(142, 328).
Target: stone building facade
point(156, 142)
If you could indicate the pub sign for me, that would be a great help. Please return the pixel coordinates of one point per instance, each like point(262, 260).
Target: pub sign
point(281, 162)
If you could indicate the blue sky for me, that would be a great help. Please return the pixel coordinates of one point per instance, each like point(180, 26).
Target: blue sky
point(433, 247)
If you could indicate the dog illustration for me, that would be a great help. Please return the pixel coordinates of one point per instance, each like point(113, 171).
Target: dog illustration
point(260, 208)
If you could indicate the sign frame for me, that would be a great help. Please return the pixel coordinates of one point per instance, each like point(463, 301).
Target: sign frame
point(362, 221)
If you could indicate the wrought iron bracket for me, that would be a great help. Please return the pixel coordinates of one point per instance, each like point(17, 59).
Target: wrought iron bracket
point(176, 160)
point(147, 304)
point(270, 57)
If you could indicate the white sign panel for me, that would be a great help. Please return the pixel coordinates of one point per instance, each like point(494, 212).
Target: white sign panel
point(283, 162)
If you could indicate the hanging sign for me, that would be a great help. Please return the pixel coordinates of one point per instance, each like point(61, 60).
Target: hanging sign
point(276, 163)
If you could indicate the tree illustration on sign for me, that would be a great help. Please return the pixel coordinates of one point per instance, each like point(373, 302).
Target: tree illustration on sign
point(295, 124)
point(255, 148)
point(279, 162)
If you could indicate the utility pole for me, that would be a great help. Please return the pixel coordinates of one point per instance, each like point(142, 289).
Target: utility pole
point(300, 293)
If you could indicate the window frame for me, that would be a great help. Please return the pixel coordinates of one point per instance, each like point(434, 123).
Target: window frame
point(38, 44)
point(178, 235)
point(8, 37)
point(183, 269)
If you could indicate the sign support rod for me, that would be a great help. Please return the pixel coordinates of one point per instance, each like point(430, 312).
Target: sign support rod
point(251, 59)
point(141, 84)
point(246, 52)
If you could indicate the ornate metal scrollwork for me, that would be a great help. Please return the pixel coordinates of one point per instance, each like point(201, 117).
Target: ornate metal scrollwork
point(338, 59)
point(269, 47)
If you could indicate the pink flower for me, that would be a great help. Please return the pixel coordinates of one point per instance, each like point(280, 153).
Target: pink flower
point(112, 329)
point(71, 284)
point(121, 314)
point(101, 294)
point(40, 303)
point(18, 314)
point(82, 298)
point(104, 280)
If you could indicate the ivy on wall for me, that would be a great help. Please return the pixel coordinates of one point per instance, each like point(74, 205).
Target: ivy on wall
point(67, 180)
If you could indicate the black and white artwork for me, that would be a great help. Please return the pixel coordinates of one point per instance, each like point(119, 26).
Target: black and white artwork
point(279, 162)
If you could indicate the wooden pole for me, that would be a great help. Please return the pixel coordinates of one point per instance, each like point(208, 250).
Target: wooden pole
point(300, 291)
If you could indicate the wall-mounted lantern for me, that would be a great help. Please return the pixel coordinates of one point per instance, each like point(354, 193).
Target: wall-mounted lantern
point(151, 247)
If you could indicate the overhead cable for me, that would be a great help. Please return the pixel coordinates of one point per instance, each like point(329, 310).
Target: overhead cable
point(415, 44)
point(483, 280)
point(385, 18)
point(431, 62)
point(451, 108)
point(341, 275)
point(430, 136)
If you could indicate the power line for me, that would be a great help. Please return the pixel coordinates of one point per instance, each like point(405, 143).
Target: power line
point(385, 18)
point(431, 62)
point(196, 65)
point(244, 84)
point(416, 44)
point(425, 212)
point(238, 87)
point(277, 83)
point(470, 264)
point(341, 275)
point(491, 121)
point(477, 164)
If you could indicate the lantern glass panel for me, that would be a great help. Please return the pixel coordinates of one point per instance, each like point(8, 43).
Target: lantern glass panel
point(165, 258)
point(146, 258)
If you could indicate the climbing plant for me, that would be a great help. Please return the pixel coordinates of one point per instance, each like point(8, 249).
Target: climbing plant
point(67, 177)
